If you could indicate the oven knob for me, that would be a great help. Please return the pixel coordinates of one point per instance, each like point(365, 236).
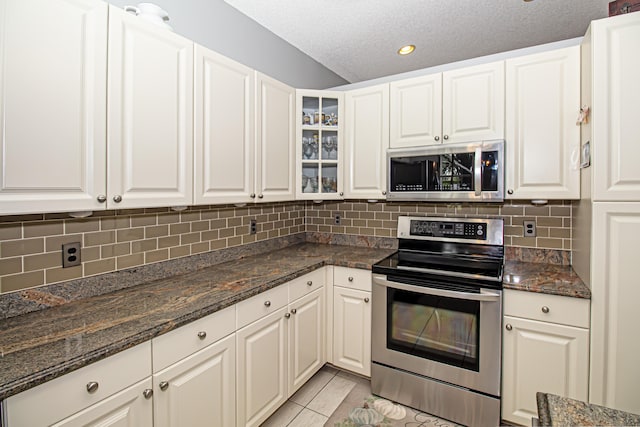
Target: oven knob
point(479, 231)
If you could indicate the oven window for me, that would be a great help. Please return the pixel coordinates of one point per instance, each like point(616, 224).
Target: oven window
point(432, 327)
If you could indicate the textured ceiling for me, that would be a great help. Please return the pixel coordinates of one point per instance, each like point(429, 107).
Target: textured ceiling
point(358, 39)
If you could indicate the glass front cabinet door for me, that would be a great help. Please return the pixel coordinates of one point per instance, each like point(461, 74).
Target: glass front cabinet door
point(319, 145)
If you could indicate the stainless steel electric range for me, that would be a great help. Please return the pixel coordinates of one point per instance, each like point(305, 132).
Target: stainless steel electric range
point(436, 319)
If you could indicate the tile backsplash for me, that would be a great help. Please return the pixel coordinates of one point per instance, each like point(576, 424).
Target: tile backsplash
point(30, 245)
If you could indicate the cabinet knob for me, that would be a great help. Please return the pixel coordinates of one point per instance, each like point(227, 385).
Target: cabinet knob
point(252, 195)
point(260, 196)
point(287, 315)
point(92, 387)
point(384, 192)
point(102, 198)
point(202, 335)
point(147, 393)
point(508, 327)
point(545, 309)
point(341, 193)
point(267, 303)
point(309, 283)
point(445, 137)
point(164, 385)
point(294, 311)
point(509, 191)
point(117, 198)
point(437, 138)
point(350, 279)
point(366, 300)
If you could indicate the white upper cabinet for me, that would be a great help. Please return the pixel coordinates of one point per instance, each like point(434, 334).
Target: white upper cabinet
point(224, 129)
point(416, 111)
point(150, 114)
point(473, 103)
point(367, 112)
point(543, 140)
point(275, 149)
point(53, 62)
point(614, 66)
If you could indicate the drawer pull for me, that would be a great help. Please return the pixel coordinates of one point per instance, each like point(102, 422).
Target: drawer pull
point(92, 387)
point(202, 335)
point(164, 385)
point(545, 309)
point(350, 279)
point(508, 327)
point(366, 300)
point(147, 393)
point(267, 303)
point(309, 283)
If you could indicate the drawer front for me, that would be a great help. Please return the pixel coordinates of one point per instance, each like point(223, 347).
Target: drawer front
point(547, 308)
point(352, 278)
point(256, 307)
point(306, 284)
point(176, 345)
point(59, 398)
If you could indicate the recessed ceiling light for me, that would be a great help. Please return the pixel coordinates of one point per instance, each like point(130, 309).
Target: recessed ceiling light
point(406, 50)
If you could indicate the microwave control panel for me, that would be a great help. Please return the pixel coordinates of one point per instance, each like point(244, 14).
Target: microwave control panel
point(459, 230)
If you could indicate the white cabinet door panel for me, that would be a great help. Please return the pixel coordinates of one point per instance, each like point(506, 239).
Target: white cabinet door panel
point(150, 114)
point(352, 330)
point(53, 56)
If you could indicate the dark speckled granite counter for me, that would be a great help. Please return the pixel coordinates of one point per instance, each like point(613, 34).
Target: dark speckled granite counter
point(544, 278)
point(42, 345)
point(561, 411)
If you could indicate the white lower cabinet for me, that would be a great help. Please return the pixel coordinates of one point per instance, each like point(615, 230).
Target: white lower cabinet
point(352, 330)
point(199, 390)
point(545, 349)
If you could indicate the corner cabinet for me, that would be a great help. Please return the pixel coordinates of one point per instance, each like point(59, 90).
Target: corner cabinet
point(275, 141)
point(545, 349)
point(543, 140)
point(319, 145)
point(367, 112)
point(52, 105)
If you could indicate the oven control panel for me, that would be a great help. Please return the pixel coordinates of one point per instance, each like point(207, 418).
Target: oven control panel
point(488, 231)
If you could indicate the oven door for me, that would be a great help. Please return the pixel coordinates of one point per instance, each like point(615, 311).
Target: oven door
point(438, 332)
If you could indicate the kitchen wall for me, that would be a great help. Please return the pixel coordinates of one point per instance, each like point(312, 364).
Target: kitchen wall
point(220, 27)
point(30, 245)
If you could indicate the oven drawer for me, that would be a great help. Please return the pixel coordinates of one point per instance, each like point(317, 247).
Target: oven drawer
point(352, 278)
point(547, 308)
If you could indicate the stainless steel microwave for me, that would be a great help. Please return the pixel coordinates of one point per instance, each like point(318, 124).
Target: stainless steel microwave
point(459, 172)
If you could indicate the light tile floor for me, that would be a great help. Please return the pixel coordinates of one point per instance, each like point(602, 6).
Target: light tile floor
point(314, 402)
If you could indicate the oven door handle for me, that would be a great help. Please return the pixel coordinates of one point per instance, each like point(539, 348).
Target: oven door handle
point(452, 274)
point(482, 296)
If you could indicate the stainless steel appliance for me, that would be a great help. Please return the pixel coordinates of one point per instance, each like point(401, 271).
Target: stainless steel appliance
point(470, 171)
point(436, 323)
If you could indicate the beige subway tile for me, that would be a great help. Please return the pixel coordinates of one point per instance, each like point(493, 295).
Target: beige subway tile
point(200, 226)
point(119, 249)
point(266, 227)
point(312, 228)
point(168, 218)
point(549, 243)
point(560, 210)
point(155, 256)
point(234, 222)
point(372, 223)
point(519, 220)
point(144, 245)
point(507, 241)
point(128, 261)
point(129, 234)
point(144, 220)
point(352, 230)
point(99, 238)
point(186, 239)
point(99, 266)
point(529, 242)
point(383, 232)
point(166, 242)
point(391, 207)
point(11, 248)
point(513, 230)
point(365, 231)
point(340, 229)
point(367, 215)
point(190, 216)
point(324, 228)
point(542, 231)
point(20, 281)
point(536, 210)
point(43, 261)
point(59, 274)
point(41, 229)
point(226, 232)
point(216, 224)
point(287, 223)
point(566, 222)
point(445, 209)
point(10, 266)
point(209, 235)
point(466, 210)
point(489, 210)
point(383, 216)
point(325, 214)
point(179, 251)
point(245, 211)
point(81, 225)
point(207, 215)
point(234, 241)
point(512, 210)
point(179, 228)
point(90, 254)
point(226, 213)
point(155, 210)
point(272, 234)
point(115, 223)
point(54, 243)
point(549, 221)
point(352, 214)
point(198, 248)
point(218, 244)
point(359, 222)
point(390, 224)
point(566, 244)
point(249, 238)
point(564, 233)
point(359, 206)
point(156, 231)
point(10, 231)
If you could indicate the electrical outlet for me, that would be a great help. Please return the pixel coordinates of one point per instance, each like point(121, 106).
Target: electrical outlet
point(529, 228)
point(253, 227)
point(337, 218)
point(71, 254)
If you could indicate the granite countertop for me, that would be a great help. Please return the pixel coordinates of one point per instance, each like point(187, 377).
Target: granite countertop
point(561, 411)
point(42, 345)
point(544, 278)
